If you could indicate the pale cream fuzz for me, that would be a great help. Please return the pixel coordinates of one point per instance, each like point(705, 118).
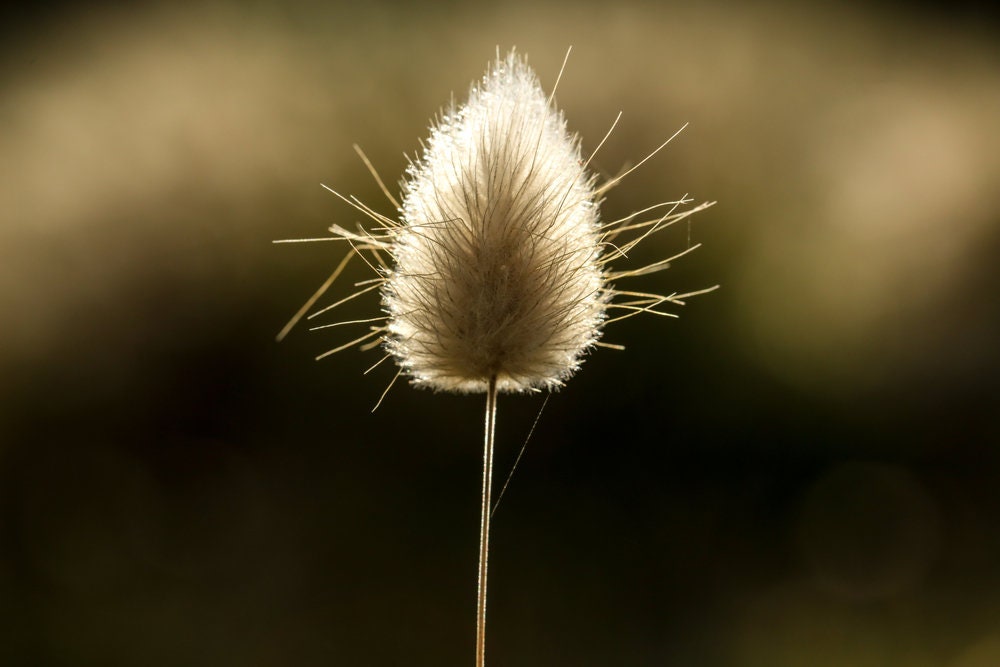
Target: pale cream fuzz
point(496, 269)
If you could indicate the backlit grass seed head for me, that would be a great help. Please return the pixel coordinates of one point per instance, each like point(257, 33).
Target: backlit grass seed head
point(497, 269)
point(499, 264)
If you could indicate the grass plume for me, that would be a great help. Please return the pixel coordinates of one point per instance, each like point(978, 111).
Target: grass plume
point(497, 276)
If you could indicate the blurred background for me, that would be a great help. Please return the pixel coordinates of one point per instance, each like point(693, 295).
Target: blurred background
point(800, 471)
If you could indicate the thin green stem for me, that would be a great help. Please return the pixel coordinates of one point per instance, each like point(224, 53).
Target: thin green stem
point(484, 526)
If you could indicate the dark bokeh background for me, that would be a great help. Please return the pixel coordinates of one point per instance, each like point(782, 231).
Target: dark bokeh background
point(801, 471)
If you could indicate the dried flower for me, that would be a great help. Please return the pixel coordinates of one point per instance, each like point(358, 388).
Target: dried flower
point(498, 276)
point(499, 264)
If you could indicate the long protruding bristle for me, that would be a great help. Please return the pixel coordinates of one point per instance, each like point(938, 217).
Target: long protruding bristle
point(313, 299)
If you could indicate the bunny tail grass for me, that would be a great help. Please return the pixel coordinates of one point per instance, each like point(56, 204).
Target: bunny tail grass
point(498, 267)
point(496, 272)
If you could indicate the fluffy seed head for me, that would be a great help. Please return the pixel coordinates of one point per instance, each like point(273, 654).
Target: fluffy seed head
point(497, 270)
point(498, 267)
